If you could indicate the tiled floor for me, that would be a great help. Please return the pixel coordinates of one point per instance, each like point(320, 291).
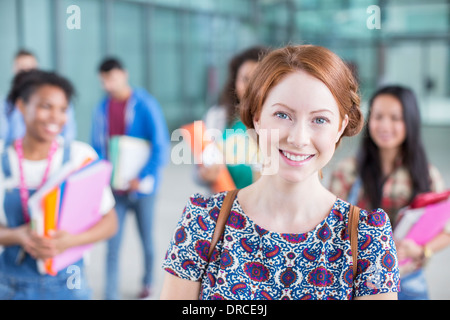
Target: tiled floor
point(178, 186)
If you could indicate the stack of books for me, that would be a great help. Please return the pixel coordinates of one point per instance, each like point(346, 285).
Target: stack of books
point(70, 201)
point(129, 155)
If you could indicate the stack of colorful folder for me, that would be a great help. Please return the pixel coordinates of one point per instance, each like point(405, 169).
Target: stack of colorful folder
point(128, 156)
point(70, 201)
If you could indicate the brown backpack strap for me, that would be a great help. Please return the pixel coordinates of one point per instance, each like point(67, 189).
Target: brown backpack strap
point(222, 219)
point(353, 221)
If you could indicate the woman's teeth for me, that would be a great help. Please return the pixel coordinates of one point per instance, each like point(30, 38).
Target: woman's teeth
point(294, 157)
point(53, 128)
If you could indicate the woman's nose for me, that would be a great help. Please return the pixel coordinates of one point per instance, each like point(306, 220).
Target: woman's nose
point(299, 135)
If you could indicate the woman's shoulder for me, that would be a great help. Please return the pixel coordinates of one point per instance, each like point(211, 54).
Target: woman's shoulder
point(200, 215)
point(437, 181)
point(80, 152)
point(205, 206)
point(79, 147)
point(371, 217)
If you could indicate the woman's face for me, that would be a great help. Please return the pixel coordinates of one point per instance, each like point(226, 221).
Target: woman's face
point(243, 76)
point(386, 126)
point(45, 113)
point(302, 123)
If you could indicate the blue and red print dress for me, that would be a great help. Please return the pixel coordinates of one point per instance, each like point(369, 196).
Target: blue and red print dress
point(250, 262)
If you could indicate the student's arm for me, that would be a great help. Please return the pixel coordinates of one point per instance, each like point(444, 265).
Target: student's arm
point(175, 288)
point(158, 135)
point(103, 230)
point(409, 249)
point(13, 236)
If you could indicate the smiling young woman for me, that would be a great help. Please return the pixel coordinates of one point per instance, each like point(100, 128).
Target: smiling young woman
point(286, 236)
point(390, 169)
point(42, 98)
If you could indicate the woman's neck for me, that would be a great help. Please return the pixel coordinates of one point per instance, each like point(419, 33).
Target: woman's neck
point(286, 207)
point(35, 149)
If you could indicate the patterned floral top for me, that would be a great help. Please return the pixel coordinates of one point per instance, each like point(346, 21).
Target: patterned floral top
point(250, 262)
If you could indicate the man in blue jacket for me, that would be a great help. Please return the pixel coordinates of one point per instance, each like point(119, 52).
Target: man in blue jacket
point(131, 112)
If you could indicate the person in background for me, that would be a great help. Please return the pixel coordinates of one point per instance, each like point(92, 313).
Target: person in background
point(131, 112)
point(224, 117)
point(42, 98)
point(390, 169)
point(12, 125)
point(286, 236)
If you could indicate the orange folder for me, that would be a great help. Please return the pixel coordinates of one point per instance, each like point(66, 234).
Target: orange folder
point(50, 204)
point(194, 135)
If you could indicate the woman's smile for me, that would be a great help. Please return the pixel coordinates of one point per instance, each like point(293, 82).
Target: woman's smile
point(295, 159)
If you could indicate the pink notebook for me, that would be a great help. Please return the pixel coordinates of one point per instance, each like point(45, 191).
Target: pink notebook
point(430, 224)
point(80, 207)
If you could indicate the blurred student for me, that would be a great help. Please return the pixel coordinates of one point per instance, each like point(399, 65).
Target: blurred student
point(42, 98)
point(239, 149)
point(12, 123)
point(390, 170)
point(286, 236)
point(131, 112)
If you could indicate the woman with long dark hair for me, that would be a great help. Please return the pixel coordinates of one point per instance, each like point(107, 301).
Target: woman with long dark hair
point(390, 170)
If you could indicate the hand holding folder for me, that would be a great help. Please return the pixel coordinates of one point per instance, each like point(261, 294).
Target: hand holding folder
point(424, 219)
point(80, 207)
point(70, 202)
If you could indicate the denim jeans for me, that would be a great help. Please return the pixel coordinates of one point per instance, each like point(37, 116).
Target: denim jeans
point(413, 286)
point(143, 207)
point(22, 281)
point(68, 284)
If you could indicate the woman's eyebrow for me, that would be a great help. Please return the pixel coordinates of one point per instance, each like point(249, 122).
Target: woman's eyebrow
point(322, 110)
point(312, 112)
point(283, 105)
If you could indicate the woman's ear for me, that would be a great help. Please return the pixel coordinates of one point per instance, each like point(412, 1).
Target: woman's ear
point(342, 128)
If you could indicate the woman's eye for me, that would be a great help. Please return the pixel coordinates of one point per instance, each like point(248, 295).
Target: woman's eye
point(320, 120)
point(281, 115)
